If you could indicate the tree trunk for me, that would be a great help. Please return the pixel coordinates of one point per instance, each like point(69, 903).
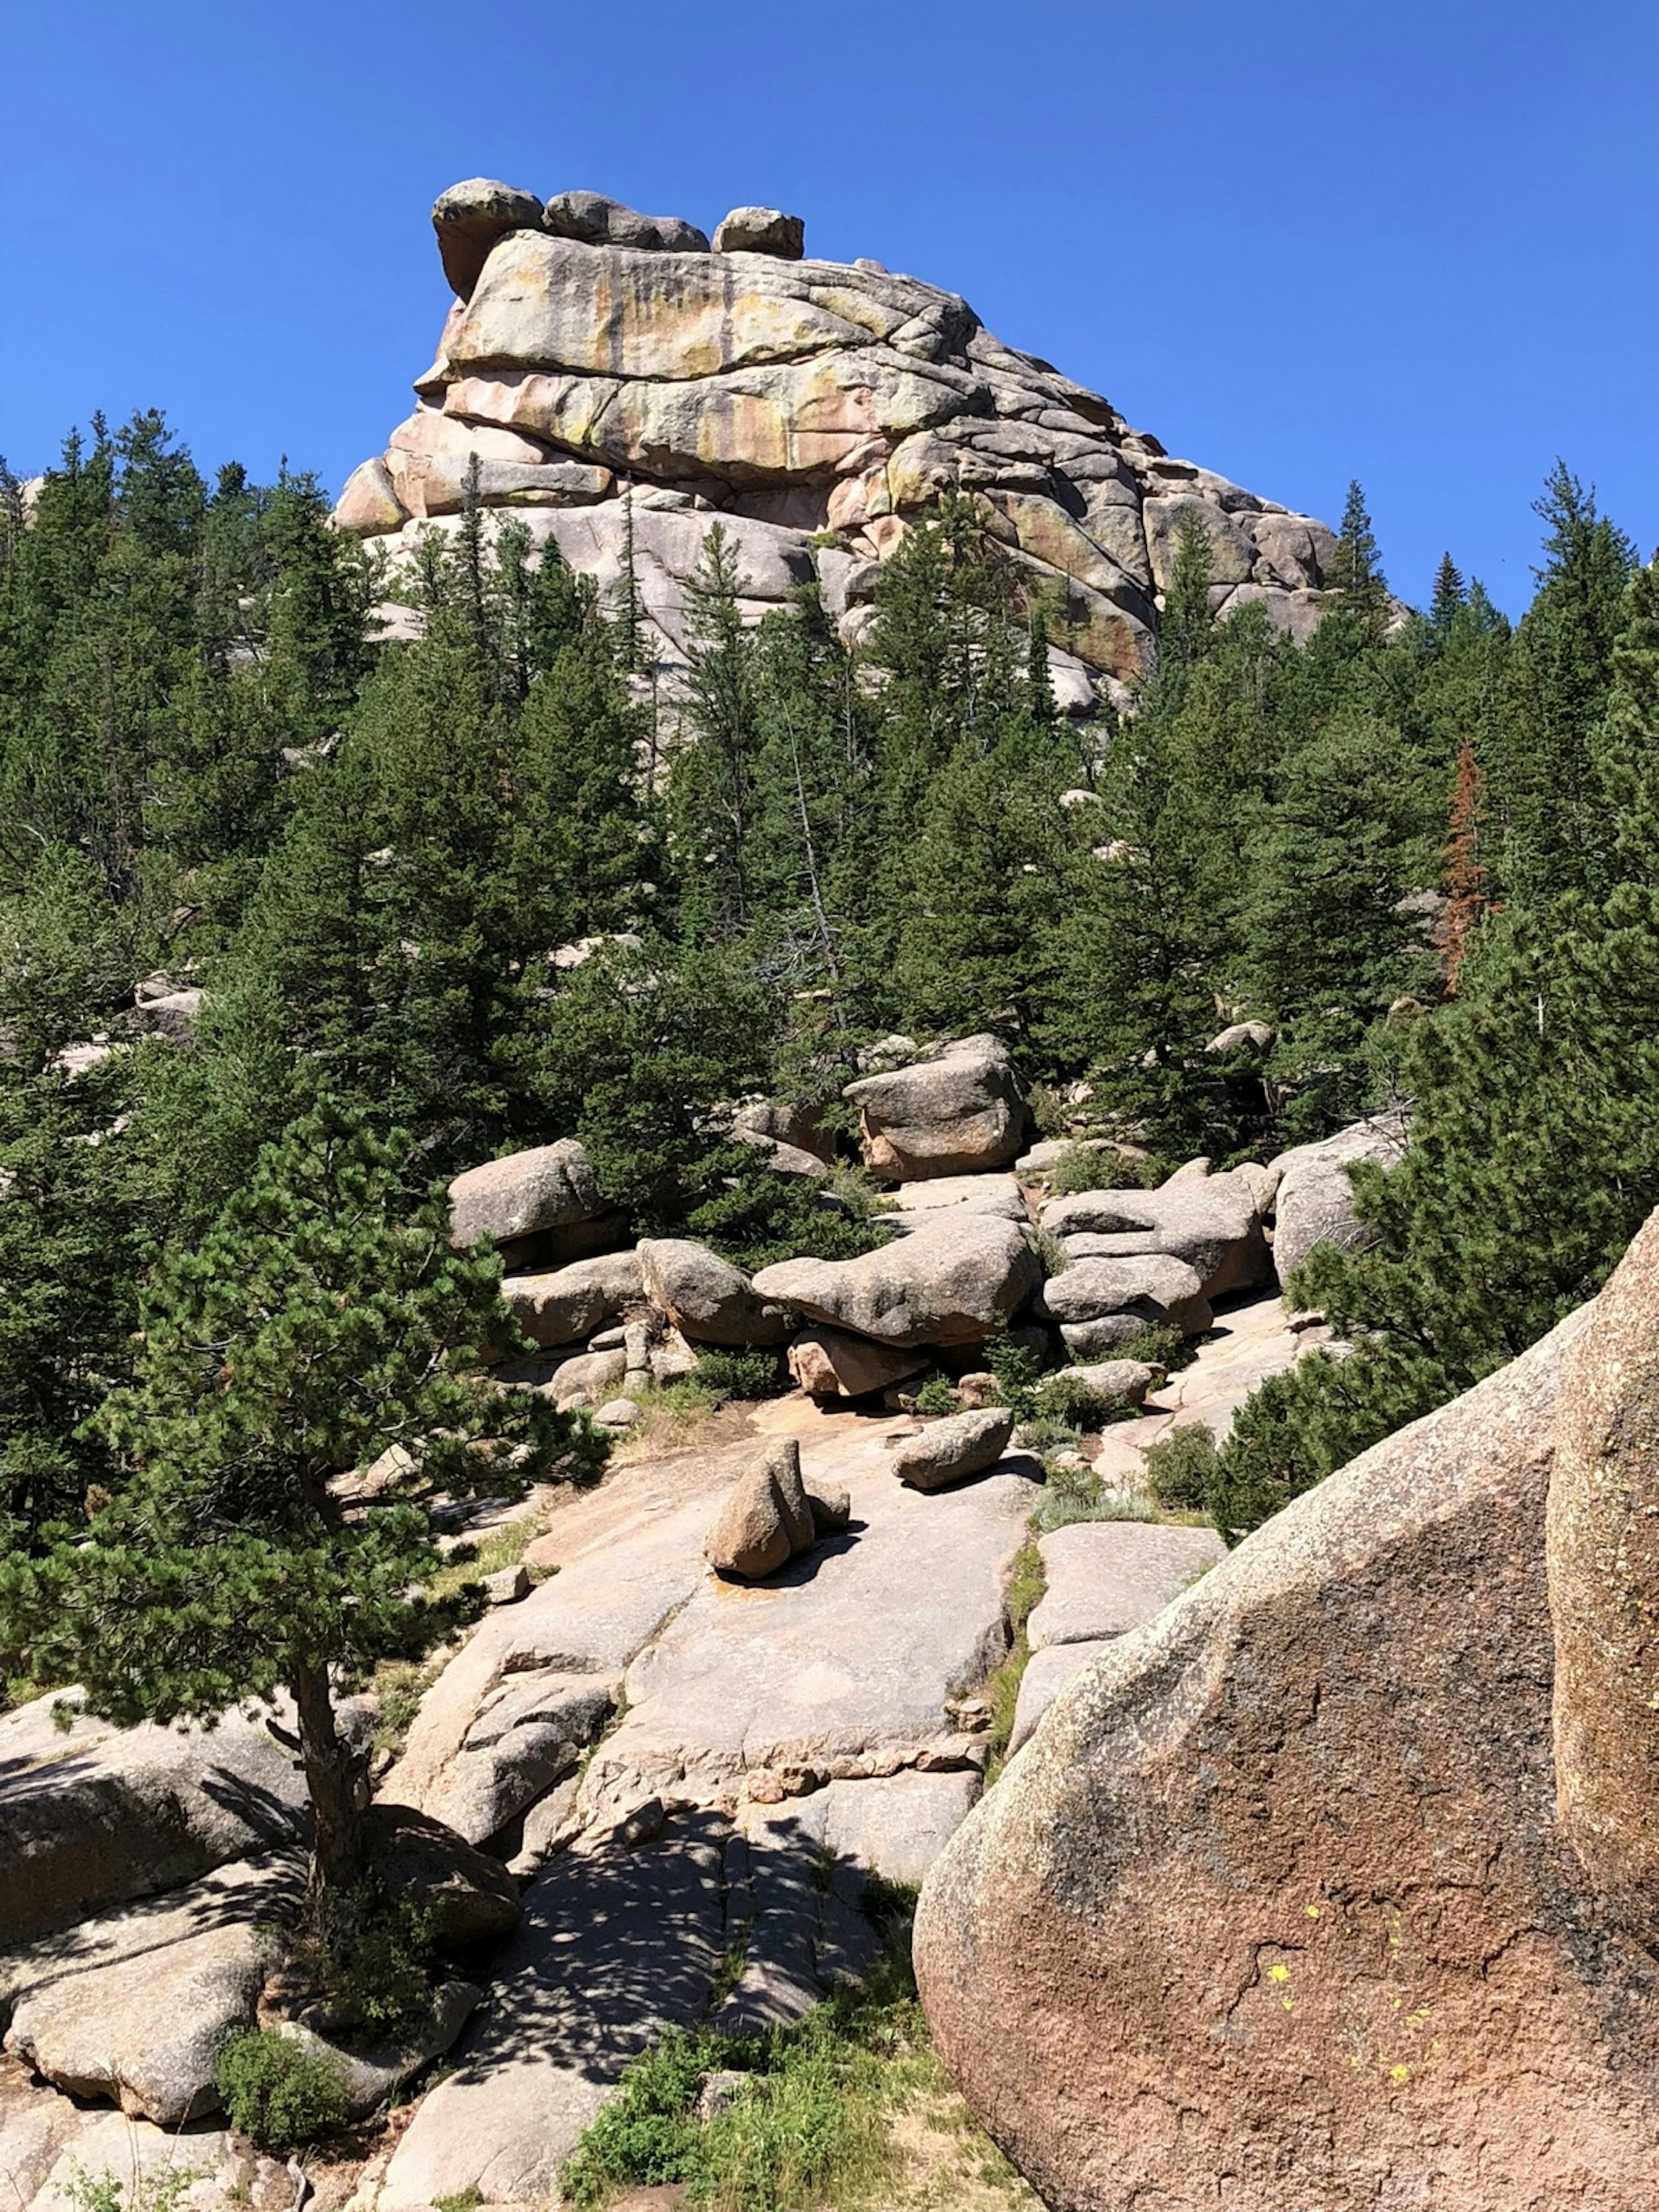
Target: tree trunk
point(334, 1774)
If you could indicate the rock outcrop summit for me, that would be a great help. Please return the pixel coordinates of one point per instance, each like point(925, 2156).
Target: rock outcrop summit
point(621, 383)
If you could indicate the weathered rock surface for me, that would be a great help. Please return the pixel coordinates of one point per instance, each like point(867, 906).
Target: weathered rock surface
point(1603, 1553)
point(953, 1114)
point(830, 1363)
point(951, 1282)
point(617, 1945)
point(951, 1449)
point(134, 2006)
point(548, 1196)
point(1276, 1897)
point(841, 1665)
point(50, 2147)
point(1105, 1578)
point(1151, 1288)
point(708, 1299)
point(597, 220)
point(787, 397)
point(92, 1818)
point(371, 2077)
point(568, 1305)
point(473, 217)
point(761, 230)
point(1212, 1222)
point(913, 1203)
point(1046, 1674)
point(1315, 1200)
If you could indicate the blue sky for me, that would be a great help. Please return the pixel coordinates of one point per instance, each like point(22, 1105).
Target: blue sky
point(1298, 242)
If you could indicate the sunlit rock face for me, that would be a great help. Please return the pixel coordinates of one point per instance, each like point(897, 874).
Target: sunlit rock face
point(617, 387)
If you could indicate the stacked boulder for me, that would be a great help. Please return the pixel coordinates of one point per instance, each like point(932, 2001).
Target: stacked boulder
point(617, 384)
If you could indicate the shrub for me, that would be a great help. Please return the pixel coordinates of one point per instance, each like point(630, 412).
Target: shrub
point(1160, 1344)
point(277, 2093)
point(373, 1960)
point(1077, 1494)
point(936, 1396)
point(1016, 1367)
point(1069, 1396)
point(726, 1375)
point(1182, 1467)
point(1079, 1167)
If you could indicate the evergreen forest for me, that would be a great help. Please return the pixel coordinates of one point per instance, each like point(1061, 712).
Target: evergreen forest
point(1422, 848)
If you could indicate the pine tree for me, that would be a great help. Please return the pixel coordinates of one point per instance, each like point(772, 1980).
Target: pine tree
point(1467, 901)
point(322, 1320)
point(712, 794)
point(1189, 618)
point(1545, 801)
point(1451, 598)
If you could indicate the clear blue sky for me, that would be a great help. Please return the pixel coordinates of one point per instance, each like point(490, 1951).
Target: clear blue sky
point(1298, 240)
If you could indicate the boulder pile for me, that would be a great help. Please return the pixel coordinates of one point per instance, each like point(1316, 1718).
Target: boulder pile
point(618, 384)
point(942, 1125)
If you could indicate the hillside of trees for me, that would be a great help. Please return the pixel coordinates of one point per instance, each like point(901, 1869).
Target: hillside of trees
point(1422, 852)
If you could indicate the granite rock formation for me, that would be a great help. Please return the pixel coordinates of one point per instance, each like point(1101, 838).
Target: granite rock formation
point(619, 386)
point(1333, 1885)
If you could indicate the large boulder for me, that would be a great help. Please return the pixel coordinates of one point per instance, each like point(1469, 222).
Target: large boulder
point(828, 1363)
point(952, 1449)
point(913, 1203)
point(542, 1203)
point(597, 220)
point(134, 2005)
point(1152, 1287)
point(761, 230)
point(708, 1299)
point(783, 399)
point(1278, 1892)
point(1213, 1223)
point(568, 1305)
point(953, 1282)
point(1315, 1199)
point(1603, 1550)
point(1102, 1578)
point(472, 218)
point(956, 1113)
point(767, 1517)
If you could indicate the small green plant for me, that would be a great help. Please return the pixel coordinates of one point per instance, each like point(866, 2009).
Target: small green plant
point(1045, 1436)
point(936, 1396)
point(1052, 1256)
point(1068, 1396)
point(1079, 1168)
point(277, 2093)
point(808, 2126)
point(371, 1955)
point(1075, 1493)
point(1016, 1367)
point(458, 2200)
point(1160, 1344)
point(1182, 1467)
point(162, 2189)
point(726, 1375)
point(1025, 1586)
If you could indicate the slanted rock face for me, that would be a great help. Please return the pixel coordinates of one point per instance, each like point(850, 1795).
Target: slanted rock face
point(793, 395)
point(1274, 1908)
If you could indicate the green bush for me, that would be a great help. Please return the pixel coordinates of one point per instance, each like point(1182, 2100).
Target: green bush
point(1160, 1344)
point(1077, 1494)
point(1016, 1367)
point(1068, 1396)
point(1080, 1169)
point(276, 2093)
point(936, 1396)
point(1182, 1467)
point(740, 1373)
